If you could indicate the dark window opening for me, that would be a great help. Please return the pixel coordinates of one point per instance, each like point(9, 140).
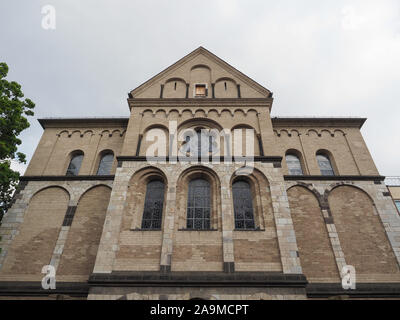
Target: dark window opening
point(200, 90)
point(210, 143)
point(105, 164)
point(153, 205)
point(75, 165)
point(199, 205)
point(294, 165)
point(325, 165)
point(243, 205)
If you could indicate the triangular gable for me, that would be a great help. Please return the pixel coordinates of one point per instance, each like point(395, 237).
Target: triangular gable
point(179, 70)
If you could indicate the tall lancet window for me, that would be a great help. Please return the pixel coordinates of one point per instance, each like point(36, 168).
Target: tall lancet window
point(153, 205)
point(199, 205)
point(243, 205)
point(325, 165)
point(105, 164)
point(75, 164)
point(294, 165)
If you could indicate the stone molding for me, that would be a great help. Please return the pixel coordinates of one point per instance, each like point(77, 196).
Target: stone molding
point(363, 290)
point(198, 279)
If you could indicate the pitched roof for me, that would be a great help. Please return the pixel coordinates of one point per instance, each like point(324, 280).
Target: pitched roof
point(202, 51)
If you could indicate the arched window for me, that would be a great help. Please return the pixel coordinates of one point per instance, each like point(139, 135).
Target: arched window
point(199, 205)
point(243, 205)
point(325, 165)
point(105, 164)
point(75, 164)
point(153, 205)
point(294, 164)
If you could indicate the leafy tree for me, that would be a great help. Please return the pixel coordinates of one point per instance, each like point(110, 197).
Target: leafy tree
point(12, 122)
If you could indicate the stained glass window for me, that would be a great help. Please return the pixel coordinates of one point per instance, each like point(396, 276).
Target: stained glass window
point(199, 205)
point(294, 165)
point(74, 165)
point(243, 205)
point(325, 165)
point(105, 164)
point(153, 205)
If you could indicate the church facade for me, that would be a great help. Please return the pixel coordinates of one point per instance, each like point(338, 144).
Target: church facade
point(200, 193)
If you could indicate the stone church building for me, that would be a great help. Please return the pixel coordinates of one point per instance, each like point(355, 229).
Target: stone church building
point(280, 222)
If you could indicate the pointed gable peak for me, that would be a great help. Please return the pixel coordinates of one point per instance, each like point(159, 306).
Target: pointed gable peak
point(200, 68)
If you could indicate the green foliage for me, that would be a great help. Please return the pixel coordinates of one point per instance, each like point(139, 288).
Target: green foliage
point(12, 122)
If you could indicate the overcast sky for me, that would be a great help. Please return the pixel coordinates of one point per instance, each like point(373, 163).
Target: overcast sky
point(320, 58)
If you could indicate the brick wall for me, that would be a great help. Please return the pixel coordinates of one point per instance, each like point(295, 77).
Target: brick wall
point(52, 155)
point(350, 155)
point(361, 233)
point(254, 252)
point(80, 249)
point(316, 255)
point(33, 246)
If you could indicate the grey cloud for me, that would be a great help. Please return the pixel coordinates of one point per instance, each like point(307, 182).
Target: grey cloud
point(320, 58)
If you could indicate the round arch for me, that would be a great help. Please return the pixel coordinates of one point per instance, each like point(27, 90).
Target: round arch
point(311, 233)
point(329, 154)
point(137, 186)
point(182, 184)
point(352, 206)
point(93, 187)
point(258, 182)
point(48, 187)
point(299, 155)
point(333, 186)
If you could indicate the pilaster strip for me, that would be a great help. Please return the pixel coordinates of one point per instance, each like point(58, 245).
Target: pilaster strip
point(284, 228)
point(389, 216)
point(69, 216)
point(12, 220)
point(109, 239)
point(59, 247)
point(351, 152)
point(187, 91)
point(168, 229)
point(334, 239)
point(227, 225)
point(138, 144)
point(304, 155)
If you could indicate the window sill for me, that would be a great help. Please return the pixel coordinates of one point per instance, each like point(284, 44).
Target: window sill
point(138, 229)
point(257, 230)
point(201, 230)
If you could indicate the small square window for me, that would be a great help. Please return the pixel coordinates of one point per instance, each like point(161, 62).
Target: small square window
point(200, 90)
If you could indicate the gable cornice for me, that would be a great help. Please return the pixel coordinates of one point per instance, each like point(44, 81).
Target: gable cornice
point(193, 102)
point(278, 122)
point(83, 122)
point(223, 64)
